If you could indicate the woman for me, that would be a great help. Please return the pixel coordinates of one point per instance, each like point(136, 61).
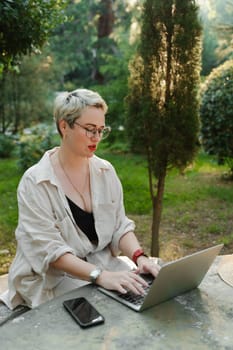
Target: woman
point(72, 222)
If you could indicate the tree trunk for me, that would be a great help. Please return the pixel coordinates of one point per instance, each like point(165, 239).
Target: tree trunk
point(15, 104)
point(2, 104)
point(104, 29)
point(106, 19)
point(157, 212)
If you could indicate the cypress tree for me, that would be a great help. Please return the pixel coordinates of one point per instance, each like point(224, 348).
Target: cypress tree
point(163, 94)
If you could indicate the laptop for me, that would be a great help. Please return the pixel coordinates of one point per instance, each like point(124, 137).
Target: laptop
point(174, 278)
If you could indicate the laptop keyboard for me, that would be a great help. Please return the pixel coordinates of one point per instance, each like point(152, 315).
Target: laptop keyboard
point(134, 298)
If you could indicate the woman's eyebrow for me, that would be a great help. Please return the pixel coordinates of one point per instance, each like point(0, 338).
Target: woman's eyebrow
point(94, 125)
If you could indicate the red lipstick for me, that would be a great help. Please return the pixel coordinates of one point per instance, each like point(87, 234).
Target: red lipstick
point(92, 148)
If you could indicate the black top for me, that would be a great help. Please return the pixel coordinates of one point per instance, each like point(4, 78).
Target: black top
point(84, 220)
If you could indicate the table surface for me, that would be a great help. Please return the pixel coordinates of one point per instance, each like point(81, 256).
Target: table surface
point(200, 319)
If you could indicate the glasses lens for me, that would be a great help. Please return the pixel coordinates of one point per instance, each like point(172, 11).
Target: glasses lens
point(105, 132)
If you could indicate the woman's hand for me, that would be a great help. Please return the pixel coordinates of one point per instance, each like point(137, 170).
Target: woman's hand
point(129, 245)
point(146, 265)
point(122, 281)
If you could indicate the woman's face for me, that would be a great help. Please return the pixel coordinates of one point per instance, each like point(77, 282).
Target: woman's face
point(84, 137)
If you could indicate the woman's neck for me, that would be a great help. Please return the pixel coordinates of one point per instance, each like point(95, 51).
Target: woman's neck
point(71, 161)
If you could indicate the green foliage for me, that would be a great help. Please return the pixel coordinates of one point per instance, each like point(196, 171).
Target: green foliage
point(210, 39)
point(76, 38)
point(222, 24)
point(163, 103)
point(32, 146)
point(26, 95)
point(91, 60)
point(209, 56)
point(114, 94)
point(7, 146)
point(216, 17)
point(26, 25)
point(76, 54)
point(86, 52)
point(217, 113)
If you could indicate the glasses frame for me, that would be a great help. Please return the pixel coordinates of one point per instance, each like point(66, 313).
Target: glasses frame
point(93, 132)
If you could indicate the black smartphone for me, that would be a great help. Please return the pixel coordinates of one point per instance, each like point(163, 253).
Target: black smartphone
point(83, 312)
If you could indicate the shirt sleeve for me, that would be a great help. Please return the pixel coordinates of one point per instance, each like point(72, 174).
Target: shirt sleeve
point(37, 233)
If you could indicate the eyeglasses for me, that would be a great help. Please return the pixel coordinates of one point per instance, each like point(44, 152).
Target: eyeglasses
point(102, 133)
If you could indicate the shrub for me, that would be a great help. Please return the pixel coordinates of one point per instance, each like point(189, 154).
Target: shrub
point(217, 114)
point(33, 145)
point(7, 146)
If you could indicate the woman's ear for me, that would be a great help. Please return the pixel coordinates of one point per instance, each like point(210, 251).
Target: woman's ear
point(62, 127)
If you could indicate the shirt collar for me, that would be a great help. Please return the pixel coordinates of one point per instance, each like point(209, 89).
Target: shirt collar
point(45, 171)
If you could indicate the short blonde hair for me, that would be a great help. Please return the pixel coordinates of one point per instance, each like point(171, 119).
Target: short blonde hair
point(68, 106)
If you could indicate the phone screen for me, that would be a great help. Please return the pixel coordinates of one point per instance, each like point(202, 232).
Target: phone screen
point(83, 312)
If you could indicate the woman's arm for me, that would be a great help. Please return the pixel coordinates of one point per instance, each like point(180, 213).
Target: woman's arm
point(74, 266)
point(129, 245)
point(120, 280)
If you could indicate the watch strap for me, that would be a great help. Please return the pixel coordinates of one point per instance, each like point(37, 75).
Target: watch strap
point(137, 254)
point(95, 274)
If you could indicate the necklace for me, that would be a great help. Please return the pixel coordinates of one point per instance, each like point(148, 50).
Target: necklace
point(72, 184)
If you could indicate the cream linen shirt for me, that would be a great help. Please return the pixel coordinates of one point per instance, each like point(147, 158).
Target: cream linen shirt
point(46, 230)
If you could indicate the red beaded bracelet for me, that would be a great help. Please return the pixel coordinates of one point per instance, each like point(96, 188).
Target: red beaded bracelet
point(136, 254)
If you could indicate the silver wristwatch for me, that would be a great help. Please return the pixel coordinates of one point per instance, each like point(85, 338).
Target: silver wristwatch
point(95, 274)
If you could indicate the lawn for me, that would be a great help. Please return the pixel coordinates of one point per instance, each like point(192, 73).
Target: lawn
point(197, 207)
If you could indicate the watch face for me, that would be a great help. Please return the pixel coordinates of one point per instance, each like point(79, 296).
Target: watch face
point(95, 274)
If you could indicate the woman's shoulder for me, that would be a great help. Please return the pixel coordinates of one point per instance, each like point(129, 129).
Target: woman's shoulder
point(101, 163)
point(40, 171)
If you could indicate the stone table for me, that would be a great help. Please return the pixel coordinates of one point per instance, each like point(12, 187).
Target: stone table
point(200, 319)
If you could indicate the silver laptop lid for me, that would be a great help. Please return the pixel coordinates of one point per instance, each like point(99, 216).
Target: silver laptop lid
point(174, 278)
point(180, 276)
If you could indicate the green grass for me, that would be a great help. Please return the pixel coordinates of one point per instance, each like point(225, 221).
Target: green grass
point(9, 179)
point(197, 206)
point(133, 173)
